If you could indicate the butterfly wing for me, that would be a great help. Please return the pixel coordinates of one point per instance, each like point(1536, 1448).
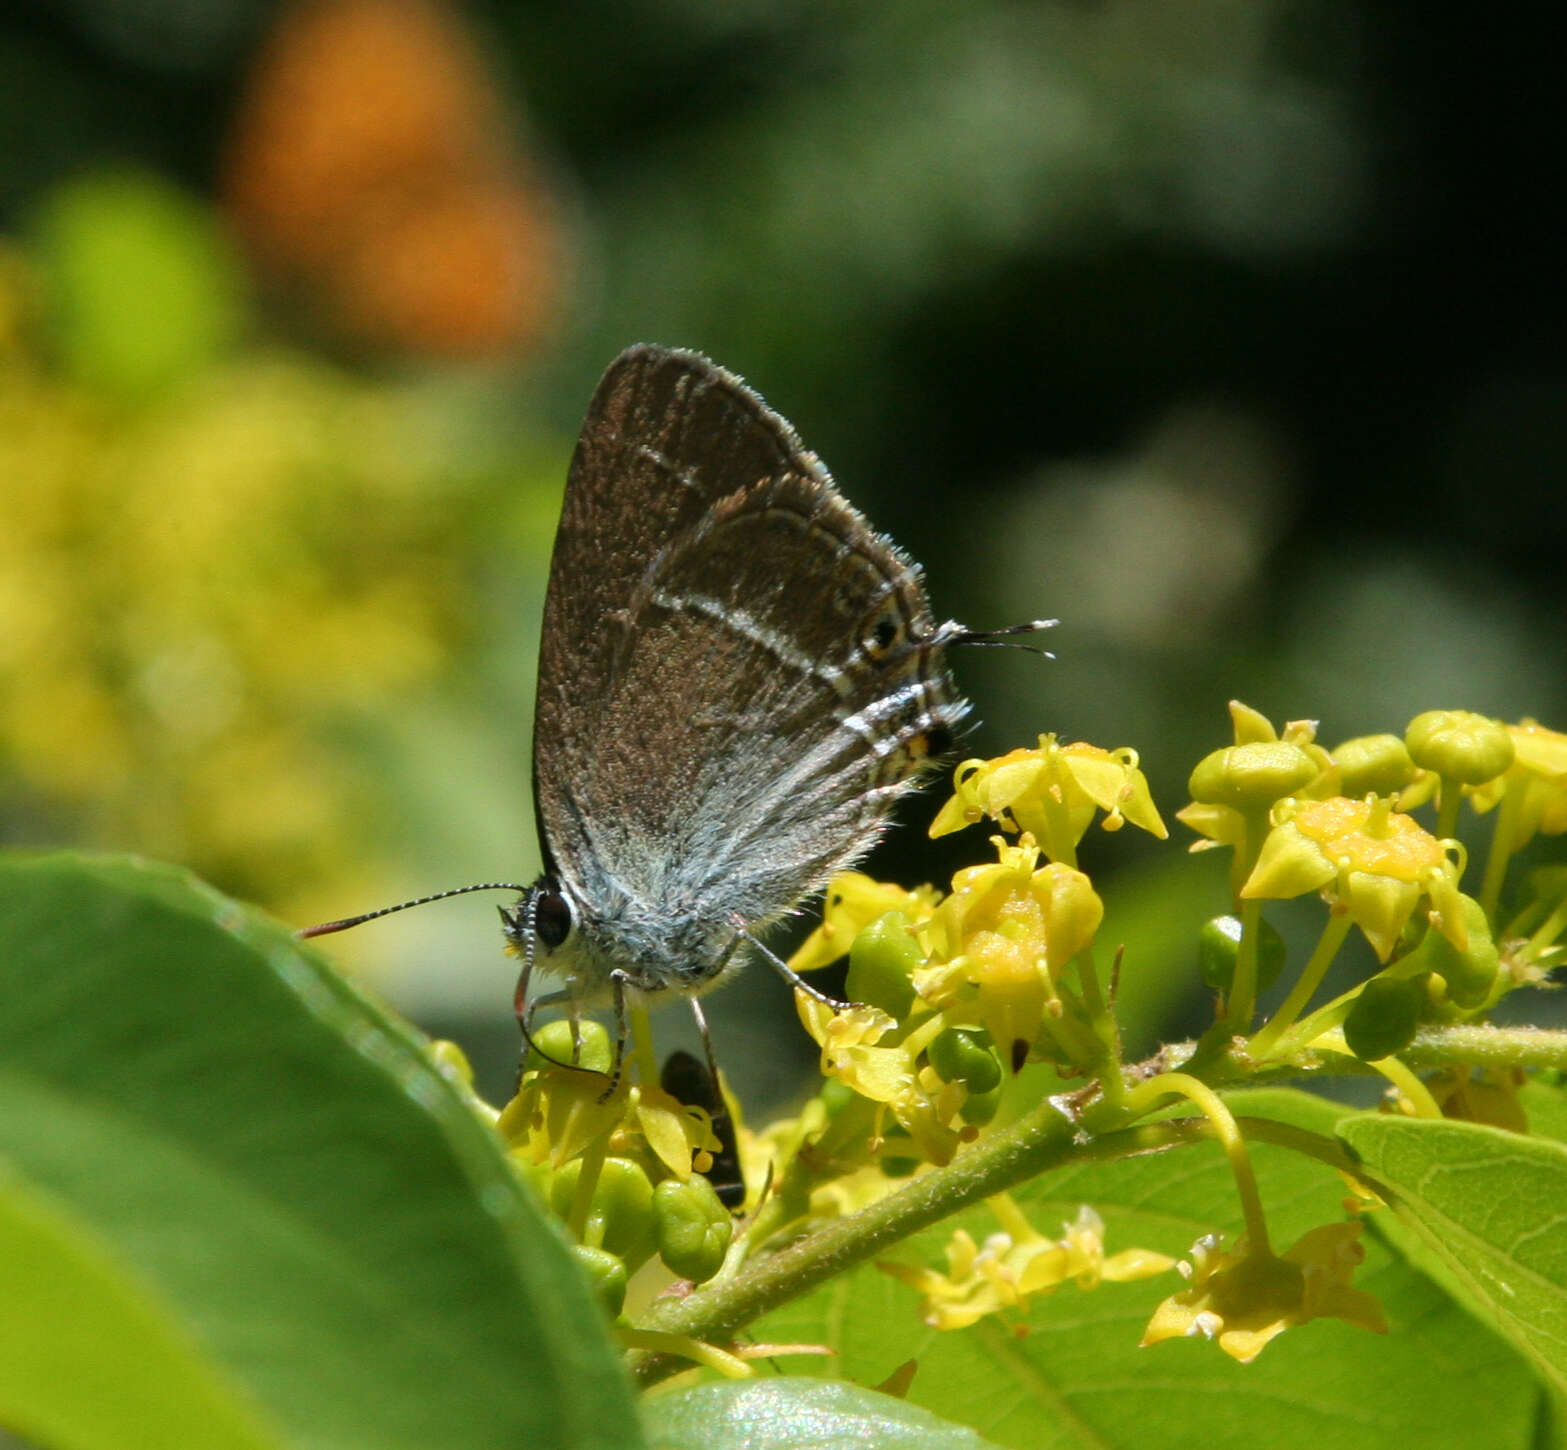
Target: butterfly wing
point(737, 674)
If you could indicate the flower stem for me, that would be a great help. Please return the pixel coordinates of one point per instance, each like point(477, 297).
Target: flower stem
point(1243, 991)
point(1447, 813)
point(1310, 979)
point(642, 1045)
point(1545, 934)
point(683, 1345)
point(587, 1182)
point(1503, 836)
point(1212, 1107)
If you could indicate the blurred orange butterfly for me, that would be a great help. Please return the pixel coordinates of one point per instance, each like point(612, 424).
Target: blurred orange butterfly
point(378, 180)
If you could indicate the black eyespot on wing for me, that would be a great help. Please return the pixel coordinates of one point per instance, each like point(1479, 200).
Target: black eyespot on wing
point(939, 740)
point(884, 633)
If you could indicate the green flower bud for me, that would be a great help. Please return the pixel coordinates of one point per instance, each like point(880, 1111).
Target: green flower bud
point(1470, 974)
point(555, 1038)
point(1460, 745)
point(1251, 777)
point(1219, 943)
point(606, 1274)
point(966, 1055)
point(1384, 1017)
point(1373, 765)
point(693, 1227)
point(620, 1218)
point(881, 961)
point(836, 1096)
point(979, 1108)
point(899, 1167)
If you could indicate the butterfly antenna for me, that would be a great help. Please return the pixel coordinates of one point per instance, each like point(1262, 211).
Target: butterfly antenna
point(326, 928)
point(1004, 638)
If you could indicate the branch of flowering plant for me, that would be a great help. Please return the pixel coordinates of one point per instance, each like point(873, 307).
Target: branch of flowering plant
point(1484, 1045)
point(1048, 1137)
point(1043, 1139)
point(1474, 1044)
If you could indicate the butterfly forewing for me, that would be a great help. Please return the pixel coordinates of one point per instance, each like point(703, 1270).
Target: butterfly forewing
point(736, 676)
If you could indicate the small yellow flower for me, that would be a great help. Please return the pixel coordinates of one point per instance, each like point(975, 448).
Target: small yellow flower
point(854, 900)
point(1018, 1263)
point(676, 1132)
point(848, 1042)
point(916, 1096)
point(1244, 1298)
point(1476, 1096)
point(998, 941)
point(1538, 775)
point(1379, 862)
point(557, 1113)
point(1052, 792)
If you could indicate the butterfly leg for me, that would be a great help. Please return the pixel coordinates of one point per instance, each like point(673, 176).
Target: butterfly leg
point(788, 973)
point(617, 983)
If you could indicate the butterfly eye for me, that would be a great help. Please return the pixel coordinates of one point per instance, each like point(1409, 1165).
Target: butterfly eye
point(552, 916)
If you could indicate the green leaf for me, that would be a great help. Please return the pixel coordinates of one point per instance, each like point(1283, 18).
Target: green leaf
point(1545, 1103)
point(265, 1164)
point(796, 1413)
point(62, 1300)
point(1488, 1202)
point(1067, 1371)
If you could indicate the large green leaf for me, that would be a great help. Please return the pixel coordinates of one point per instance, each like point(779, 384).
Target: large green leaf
point(62, 1298)
point(1488, 1202)
point(797, 1413)
point(1068, 1373)
point(242, 1149)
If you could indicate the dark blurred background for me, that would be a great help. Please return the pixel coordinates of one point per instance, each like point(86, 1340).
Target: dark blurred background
point(1231, 333)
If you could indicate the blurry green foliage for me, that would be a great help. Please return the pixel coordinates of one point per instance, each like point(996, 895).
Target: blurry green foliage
point(221, 562)
point(142, 287)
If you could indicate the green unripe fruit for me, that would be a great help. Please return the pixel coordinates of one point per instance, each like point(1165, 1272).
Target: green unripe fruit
point(555, 1039)
point(620, 1217)
point(1470, 974)
point(979, 1108)
point(881, 961)
point(1373, 765)
point(1460, 745)
point(966, 1055)
point(693, 1227)
point(1384, 1017)
point(836, 1096)
point(606, 1273)
point(1251, 777)
point(1219, 943)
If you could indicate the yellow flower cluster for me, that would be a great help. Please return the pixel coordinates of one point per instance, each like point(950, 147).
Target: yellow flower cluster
point(1053, 793)
point(991, 958)
point(1245, 1297)
point(986, 964)
point(1018, 1263)
point(201, 590)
